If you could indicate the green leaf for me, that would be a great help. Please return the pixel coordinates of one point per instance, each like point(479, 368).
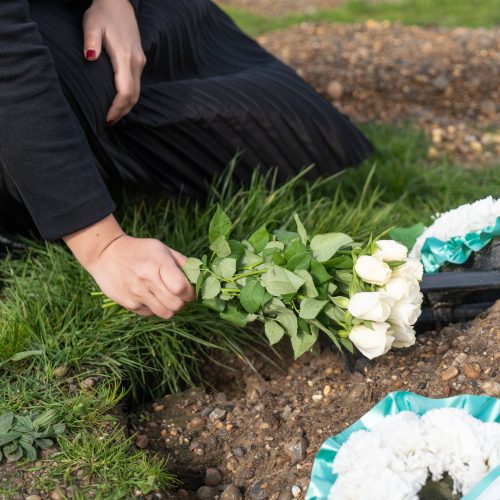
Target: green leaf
point(25, 354)
point(8, 437)
point(300, 261)
point(44, 443)
point(226, 268)
point(259, 239)
point(13, 453)
point(216, 304)
point(335, 313)
point(191, 269)
point(200, 281)
point(288, 320)
point(285, 236)
point(342, 302)
point(331, 288)
point(274, 306)
point(301, 229)
point(234, 315)
point(29, 451)
point(45, 419)
point(309, 286)
point(407, 235)
point(253, 295)
point(251, 259)
point(220, 225)
point(344, 276)
point(210, 288)
point(294, 248)
point(342, 262)
point(274, 331)
point(6, 421)
point(325, 246)
point(237, 249)
point(310, 308)
point(347, 344)
point(58, 428)
point(319, 273)
point(280, 281)
point(303, 342)
point(221, 247)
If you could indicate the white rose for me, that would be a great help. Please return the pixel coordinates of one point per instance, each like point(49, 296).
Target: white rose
point(404, 313)
point(406, 289)
point(370, 306)
point(372, 342)
point(404, 336)
point(390, 251)
point(372, 270)
point(412, 268)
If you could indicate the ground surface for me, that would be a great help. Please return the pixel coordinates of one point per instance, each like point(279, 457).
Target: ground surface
point(262, 432)
point(444, 79)
point(280, 8)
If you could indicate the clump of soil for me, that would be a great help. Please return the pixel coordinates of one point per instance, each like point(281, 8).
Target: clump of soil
point(256, 435)
point(445, 79)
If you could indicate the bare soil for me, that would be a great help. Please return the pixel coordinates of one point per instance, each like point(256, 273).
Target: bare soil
point(445, 80)
point(262, 431)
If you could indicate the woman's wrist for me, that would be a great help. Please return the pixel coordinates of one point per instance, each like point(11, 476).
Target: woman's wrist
point(88, 244)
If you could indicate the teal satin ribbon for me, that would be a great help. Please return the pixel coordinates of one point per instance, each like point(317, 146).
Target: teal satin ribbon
point(483, 408)
point(457, 250)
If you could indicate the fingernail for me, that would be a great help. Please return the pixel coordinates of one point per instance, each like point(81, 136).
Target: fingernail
point(109, 123)
point(90, 55)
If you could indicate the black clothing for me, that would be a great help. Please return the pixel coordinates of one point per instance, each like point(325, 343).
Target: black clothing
point(208, 92)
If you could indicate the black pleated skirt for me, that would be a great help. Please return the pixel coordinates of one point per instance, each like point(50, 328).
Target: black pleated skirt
point(208, 93)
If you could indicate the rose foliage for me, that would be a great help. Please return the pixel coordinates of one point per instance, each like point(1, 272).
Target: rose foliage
point(362, 294)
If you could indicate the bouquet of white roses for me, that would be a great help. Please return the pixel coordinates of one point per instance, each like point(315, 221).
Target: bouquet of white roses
point(367, 295)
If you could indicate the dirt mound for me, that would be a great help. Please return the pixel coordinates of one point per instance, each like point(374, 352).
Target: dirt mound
point(262, 433)
point(445, 79)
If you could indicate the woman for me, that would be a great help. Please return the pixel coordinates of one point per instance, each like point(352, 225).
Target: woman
point(156, 93)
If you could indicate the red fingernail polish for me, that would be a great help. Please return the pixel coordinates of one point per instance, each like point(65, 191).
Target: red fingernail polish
point(90, 55)
point(109, 123)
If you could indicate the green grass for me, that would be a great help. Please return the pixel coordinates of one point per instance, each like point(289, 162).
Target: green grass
point(47, 305)
point(450, 13)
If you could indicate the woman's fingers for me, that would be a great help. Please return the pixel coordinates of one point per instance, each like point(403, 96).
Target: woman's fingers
point(157, 308)
point(92, 39)
point(175, 280)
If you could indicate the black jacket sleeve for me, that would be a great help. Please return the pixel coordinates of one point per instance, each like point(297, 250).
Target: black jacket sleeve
point(42, 147)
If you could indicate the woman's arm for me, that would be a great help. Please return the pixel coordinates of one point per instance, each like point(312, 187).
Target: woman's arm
point(42, 146)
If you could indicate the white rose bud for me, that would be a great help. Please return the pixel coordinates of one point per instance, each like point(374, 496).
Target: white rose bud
point(404, 336)
point(412, 268)
point(390, 251)
point(370, 306)
point(372, 342)
point(404, 313)
point(406, 289)
point(372, 270)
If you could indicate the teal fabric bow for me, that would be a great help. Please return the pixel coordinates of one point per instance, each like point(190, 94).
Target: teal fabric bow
point(484, 408)
point(457, 250)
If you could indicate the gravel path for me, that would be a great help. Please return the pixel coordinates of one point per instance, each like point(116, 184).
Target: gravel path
point(258, 436)
point(444, 79)
point(281, 8)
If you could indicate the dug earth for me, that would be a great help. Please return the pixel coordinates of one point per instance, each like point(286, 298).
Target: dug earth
point(256, 435)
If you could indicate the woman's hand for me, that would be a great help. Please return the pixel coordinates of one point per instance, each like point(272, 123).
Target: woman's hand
point(142, 275)
point(112, 25)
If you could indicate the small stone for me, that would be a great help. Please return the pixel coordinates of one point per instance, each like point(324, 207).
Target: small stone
point(461, 358)
point(256, 492)
point(317, 397)
point(33, 497)
point(60, 371)
point(56, 495)
point(231, 493)
point(296, 450)
point(88, 383)
point(239, 452)
point(472, 371)
point(442, 349)
point(296, 491)
point(158, 407)
point(357, 392)
point(194, 445)
point(335, 90)
point(327, 390)
point(285, 495)
point(449, 373)
point(218, 414)
point(141, 441)
point(206, 493)
point(440, 82)
point(182, 493)
point(491, 388)
point(196, 423)
point(213, 477)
